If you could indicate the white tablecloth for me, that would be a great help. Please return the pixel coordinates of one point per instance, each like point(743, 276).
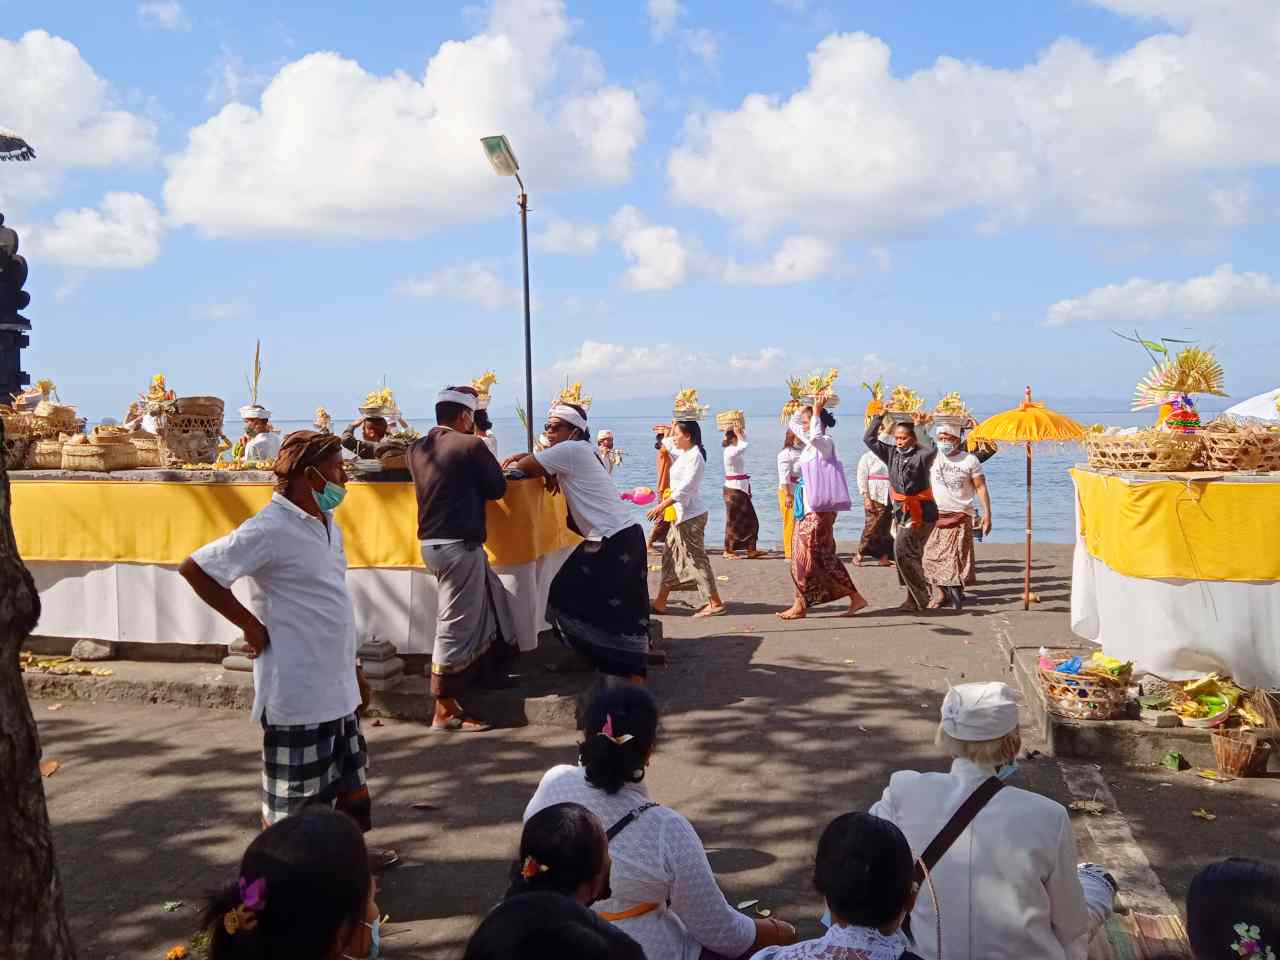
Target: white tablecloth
point(1178, 629)
point(151, 603)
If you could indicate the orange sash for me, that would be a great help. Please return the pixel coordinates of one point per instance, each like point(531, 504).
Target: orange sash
point(639, 910)
point(913, 503)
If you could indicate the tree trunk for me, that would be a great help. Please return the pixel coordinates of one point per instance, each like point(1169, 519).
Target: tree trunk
point(33, 922)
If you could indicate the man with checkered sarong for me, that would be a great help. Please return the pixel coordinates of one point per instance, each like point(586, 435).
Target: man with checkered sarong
point(301, 632)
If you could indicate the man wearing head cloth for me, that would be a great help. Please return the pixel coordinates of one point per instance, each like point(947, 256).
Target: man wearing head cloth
point(454, 477)
point(957, 480)
point(608, 455)
point(1009, 885)
point(599, 599)
point(301, 631)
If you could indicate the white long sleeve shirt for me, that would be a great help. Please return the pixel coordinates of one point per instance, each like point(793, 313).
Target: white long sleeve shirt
point(1008, 886)
point(687, 470)
point(735, 465)
point(788, 464)
point(873, 478)
point(658, 858)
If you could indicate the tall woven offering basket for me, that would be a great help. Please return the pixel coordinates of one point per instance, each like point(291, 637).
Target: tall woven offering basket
point(150, 453)
point(17, 426)
point(52, 419)
point(200, 407)
point(1228, 447)
point(728, 420)
point(45, 455)
point(1081, 696)
point(16, 453)
point(1149, 451)
point(1240, 753)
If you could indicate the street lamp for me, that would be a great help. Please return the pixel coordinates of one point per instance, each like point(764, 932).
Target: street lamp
point(503, 158)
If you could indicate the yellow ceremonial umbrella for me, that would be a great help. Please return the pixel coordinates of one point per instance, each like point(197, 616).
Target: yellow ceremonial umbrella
point(1030, 423)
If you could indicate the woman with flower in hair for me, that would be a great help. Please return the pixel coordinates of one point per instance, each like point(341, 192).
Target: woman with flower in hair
point(563, 849)
point(1233, 911)
point(663, 893)
point(304, 890)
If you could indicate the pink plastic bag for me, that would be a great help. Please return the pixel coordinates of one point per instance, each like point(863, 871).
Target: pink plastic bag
point(825, 488)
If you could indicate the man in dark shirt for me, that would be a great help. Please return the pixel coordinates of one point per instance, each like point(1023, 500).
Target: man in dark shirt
point(909, 461)
point(454, 476)
point(374, 431)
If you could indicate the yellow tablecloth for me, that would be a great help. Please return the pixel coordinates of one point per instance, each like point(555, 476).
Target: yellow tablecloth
point(158, 522)
point(1176, 529)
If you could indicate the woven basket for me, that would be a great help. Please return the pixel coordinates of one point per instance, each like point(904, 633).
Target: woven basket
point(107, 436)
point(150, 453)
point(1081, 696)
point(394, 460)
point(1242, 450)
point(45, 455)
point(728, 420)
point(1240, 753)
point(99, 456)
point(1149, 451)
point(48, 428)
point(200, 407)
point(17, 426)
point(16, 453)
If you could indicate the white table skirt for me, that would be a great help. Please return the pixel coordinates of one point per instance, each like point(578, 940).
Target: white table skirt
point(1178, 629)
point(151, 603)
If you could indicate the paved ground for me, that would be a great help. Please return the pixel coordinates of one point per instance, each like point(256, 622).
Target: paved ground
point(769, 730)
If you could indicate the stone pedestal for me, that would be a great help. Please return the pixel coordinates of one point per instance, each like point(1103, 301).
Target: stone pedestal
point(236, 658)
point(383, 669)
point(93, 650)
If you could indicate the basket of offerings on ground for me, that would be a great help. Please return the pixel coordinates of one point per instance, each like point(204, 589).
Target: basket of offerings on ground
point(150, 453)
point(1230, 446)
point(688, 407)
point(45, 454)
point(1079, 689)
point(1147, 451)
point(1240, 753)
point(83, 453)
point(729, 420)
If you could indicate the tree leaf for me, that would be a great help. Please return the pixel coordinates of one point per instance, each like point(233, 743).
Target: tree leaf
point(1203, 814)
point(48, 767)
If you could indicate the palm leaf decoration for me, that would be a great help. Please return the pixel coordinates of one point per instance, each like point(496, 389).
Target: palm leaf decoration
point(254, 378)
point(1193, 370)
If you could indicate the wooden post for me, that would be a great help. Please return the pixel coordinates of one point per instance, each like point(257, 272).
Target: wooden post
point(33, 922)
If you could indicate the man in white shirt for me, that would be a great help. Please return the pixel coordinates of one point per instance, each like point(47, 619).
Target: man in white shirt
point(301, 633)
point(599, 601)
point(606, 447)
point(260, 442)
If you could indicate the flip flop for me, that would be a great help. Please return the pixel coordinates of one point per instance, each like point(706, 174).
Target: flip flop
point(712, 612)
point(460, 725)
point(380, 860)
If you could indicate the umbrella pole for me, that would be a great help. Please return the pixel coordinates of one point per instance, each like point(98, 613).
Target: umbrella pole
point(1026, 581)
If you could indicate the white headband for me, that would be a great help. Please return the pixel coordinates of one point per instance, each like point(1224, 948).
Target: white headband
point(453, 396)
point(604, 435)
point(562, 411)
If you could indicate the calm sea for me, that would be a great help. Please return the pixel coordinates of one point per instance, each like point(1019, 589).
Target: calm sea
point(1051, 494)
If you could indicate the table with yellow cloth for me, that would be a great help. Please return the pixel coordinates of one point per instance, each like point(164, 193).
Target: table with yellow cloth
point(1180, 575)
point(104, 555)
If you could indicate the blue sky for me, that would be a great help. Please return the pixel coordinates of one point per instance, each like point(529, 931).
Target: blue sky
point(955, 197)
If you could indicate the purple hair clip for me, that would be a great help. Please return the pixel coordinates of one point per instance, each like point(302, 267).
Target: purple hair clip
point(254, 895)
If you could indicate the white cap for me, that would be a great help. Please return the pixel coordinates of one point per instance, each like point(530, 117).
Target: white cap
point(604, 435)
point(255, 411)
point(975, 712)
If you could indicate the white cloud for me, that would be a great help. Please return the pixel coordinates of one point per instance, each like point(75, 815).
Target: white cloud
point(655, 367)
point(124, 233)
point(1173, 11)
point(163, 15)
point(1221, 293)
point(565, 236)
point(230, 81)
point(702, 44)
point(1165, 132)
point(658, 255)
point(663, 15)
point(66, 111)
point(332, 149)
point(798, 259)
point(474, 283)
point(218, 312)
point(662, 258)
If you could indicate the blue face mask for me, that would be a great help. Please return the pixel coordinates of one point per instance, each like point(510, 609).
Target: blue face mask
point(946, 446)
point(375, 942)
point(330, 497)
point(1008, 770)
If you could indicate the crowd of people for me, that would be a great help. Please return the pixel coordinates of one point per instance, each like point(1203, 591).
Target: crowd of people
point(603, 869)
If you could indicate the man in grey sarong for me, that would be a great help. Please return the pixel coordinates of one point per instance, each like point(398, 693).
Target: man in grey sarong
point(454, 476)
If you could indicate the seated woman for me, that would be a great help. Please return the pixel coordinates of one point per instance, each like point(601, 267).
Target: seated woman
point(599, 601)
point(1009, 886)
point(304, 891)
point(548, 926)
point(866, 873)
point(663, 891)
point(563, 849)
point(1233, 911)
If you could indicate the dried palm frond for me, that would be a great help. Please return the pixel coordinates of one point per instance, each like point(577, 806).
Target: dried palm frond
point(254, 378)
point(1193, 370)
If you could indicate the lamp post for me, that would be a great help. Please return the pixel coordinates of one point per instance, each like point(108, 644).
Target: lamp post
point(503, 158)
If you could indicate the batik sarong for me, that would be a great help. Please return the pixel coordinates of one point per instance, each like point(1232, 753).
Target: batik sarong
point(816, 570)
point(948, 554)
point(685, 564)
point(877, 537)
point(741, 525)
